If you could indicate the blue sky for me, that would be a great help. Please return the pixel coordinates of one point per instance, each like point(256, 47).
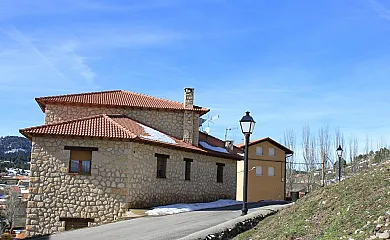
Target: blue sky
point(290, 63)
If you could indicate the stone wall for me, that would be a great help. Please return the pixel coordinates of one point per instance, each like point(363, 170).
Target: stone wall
point(123, 175)
point(170, 122)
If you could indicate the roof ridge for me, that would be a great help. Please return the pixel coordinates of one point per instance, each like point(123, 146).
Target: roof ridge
point(146, 95)
point(77, 94)
point(119, 125)
point(276, 143)
point(64, 122)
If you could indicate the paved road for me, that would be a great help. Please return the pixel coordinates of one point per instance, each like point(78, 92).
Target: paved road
point(163, 227)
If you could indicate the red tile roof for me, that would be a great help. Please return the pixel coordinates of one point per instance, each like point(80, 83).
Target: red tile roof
point(116, 127)
point(116, 98)
point(214, 141)
point(268, 139)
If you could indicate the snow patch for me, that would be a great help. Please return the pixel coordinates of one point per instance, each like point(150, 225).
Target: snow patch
point(156, 135)
point(213, 148)
point(184, 207)
point(15, 150)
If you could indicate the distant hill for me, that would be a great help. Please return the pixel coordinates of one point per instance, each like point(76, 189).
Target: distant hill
point(14, 148)
point(356, 208)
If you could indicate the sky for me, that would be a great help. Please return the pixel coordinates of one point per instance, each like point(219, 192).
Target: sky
point(290, 63)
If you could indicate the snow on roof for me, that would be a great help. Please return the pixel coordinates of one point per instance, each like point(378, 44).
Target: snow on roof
point(213, 148)
point(156, 135)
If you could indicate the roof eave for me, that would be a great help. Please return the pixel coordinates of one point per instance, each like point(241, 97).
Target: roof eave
point(21, 131)
point(137, 139)
point(41, 104)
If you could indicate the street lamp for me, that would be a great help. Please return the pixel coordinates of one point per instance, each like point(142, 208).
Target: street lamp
point(339, 154)
point(247, 125)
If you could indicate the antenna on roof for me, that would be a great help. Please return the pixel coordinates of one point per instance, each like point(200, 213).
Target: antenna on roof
point(229, 129)
point(208, 120)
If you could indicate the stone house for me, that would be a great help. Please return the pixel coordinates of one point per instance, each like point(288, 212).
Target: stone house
point(267, 170)
point(101, 153)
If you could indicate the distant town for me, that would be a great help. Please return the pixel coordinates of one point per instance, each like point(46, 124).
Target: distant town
point(14, 184)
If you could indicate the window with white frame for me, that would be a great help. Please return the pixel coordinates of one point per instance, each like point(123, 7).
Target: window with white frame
point(259, 171)
point(271, 151)
point(271, 171)
point(259, 151)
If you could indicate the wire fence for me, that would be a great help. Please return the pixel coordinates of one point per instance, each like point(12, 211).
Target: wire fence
point(303, 177)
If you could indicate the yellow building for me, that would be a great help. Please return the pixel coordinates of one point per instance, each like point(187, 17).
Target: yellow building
point(267, 170)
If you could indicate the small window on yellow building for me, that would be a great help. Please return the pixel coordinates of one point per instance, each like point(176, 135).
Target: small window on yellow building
point(259, 171)
point(271, 151)
point(259, 151)
point(271, 171)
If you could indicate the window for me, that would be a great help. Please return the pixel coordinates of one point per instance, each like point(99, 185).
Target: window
point(271, 151)
point(80, 162)
point(76, 223)
point(259, 151)
point(271, 171)
point(259, 171)
point(220, 172)
point(161, 165)
point(187, 170)
point(80, 159)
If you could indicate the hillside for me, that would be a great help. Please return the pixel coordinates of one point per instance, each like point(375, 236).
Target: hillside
point(14, 152)
point(356, 208)
point(14, 146)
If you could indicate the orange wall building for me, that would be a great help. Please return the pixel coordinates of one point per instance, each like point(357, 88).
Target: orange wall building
point(267, 170)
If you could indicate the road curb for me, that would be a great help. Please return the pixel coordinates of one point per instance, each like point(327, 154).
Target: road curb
point(232, 228)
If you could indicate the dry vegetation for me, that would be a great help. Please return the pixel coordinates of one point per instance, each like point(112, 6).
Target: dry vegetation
point(356, 208)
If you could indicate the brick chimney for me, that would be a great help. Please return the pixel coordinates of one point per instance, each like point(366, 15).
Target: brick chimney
point(190, 121)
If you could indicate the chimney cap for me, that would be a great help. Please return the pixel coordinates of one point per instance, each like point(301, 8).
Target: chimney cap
point(188, 90)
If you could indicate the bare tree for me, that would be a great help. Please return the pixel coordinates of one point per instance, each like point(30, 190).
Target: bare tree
point(350, 152)
point(290, 142)
point(13, 209)
point(313, 159)
point(353, 147)
point(355, 152)
point(324, 144)
point(308, 154)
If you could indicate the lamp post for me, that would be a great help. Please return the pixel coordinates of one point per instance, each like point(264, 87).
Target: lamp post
point(247, 125)
point(339, 154)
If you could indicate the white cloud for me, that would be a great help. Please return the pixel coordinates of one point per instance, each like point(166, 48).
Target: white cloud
point(66, 56)
point(27, 62)
point(380, 9)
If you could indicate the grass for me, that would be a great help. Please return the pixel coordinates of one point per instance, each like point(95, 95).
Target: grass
point(347, 210)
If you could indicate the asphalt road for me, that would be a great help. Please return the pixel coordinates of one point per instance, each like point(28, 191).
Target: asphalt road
point(163, 227)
